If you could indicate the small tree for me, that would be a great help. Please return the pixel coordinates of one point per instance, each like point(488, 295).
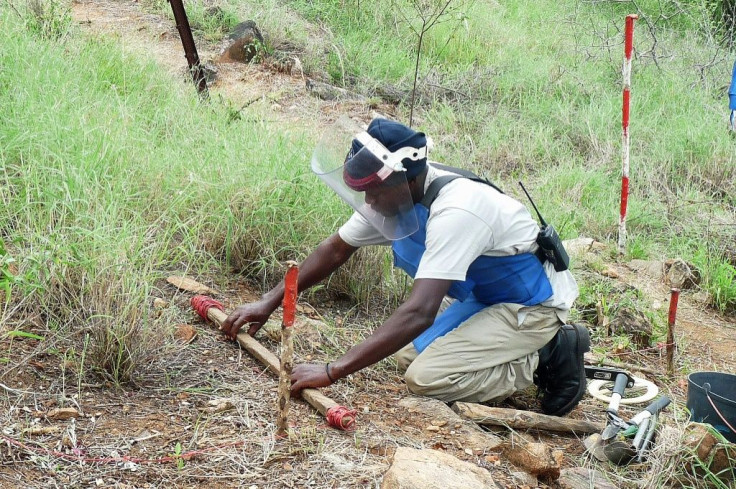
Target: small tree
point(724, 15)
point(421, 16)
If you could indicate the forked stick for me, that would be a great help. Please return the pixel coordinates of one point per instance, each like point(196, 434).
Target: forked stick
point(337, 416)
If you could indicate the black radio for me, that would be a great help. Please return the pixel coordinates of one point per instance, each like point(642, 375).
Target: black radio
point(549, 242)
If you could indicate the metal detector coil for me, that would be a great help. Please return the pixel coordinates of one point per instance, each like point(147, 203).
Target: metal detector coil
point(601, 390)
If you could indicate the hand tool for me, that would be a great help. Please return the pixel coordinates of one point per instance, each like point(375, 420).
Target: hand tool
point(621, 450)
point(648, 437)
point(615, 423)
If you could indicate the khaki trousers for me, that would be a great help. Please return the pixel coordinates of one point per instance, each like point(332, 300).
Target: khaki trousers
point(487, 358)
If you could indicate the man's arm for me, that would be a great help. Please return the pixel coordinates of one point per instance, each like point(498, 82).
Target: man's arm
point(406, 323)
point(325, 259)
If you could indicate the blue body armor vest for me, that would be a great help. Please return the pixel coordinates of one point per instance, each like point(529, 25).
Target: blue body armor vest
point(517, 279)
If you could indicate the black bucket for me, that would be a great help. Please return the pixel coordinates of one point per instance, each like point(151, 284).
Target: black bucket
point(704, 388)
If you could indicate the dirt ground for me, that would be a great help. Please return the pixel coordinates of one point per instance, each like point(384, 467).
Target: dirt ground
point(206, 417)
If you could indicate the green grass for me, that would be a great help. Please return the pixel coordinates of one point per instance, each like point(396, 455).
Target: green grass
point(112, 176)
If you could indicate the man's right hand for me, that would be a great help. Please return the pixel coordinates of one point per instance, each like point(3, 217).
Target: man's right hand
point(255, 313)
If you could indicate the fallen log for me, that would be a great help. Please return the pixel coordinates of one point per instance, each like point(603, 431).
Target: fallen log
point(517, 419)
point(337, 415)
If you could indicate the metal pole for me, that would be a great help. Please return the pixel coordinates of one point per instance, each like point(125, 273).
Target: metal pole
point(628, 47)
point(190, 50)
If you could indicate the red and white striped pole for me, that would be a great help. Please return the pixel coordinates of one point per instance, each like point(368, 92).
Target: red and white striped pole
point(628, 47)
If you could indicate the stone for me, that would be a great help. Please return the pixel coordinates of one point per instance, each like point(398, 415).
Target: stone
point(718, 457)
point(582, 478)
point(681, 275)
point(433, 412)
point(699, 438)
point(653, 269)
point(633, 323)
point(185, 333)
point(325, 91)
point(215, 406)
point(432, 469)
point(243, 44)
point(63, 413)
point(578, 246)
point(534, 457)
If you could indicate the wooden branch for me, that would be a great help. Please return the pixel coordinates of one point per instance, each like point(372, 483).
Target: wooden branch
point(287, 347)
point(190, 285)
point(517, 419)
point(315, 398)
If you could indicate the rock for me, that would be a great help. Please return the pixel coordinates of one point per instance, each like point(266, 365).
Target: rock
point(159, 303)
point(215, 406)
point(432, 469)
point(699, 438)
point(523, 479)
point(718, 457)
point(63, 413)
point(578, 246)
point(680, 275)
point(582, 478)
point(610, 273)
point(43, 430)
point(653, 269)
point(185, 333)
point(633, 323)
point(325, 91)
point(435, 413)
point(243, 44)
point(534, 457)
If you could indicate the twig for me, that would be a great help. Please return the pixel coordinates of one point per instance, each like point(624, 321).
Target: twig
point(628, 366)
point(14, 391)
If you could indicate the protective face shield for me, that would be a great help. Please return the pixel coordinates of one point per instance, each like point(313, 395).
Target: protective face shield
point(371, 179)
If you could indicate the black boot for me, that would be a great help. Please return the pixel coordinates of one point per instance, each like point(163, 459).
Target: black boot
point(561, 371)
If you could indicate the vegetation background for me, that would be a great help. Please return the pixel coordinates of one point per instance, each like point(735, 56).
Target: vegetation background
point(112, 178)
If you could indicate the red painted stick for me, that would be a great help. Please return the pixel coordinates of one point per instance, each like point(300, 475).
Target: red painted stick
point(628, 47)
point(337, 416)
point(674, 298)
point(287, 347)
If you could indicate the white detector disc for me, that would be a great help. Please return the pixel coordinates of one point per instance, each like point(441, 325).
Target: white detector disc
point(601, 390)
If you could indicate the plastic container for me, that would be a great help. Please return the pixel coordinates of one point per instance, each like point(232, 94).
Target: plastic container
point(720, 389)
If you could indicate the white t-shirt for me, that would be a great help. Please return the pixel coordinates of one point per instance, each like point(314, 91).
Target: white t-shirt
point(469, 219)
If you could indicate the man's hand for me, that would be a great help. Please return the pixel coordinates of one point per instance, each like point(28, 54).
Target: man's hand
point(308, 375)
point(255, 313)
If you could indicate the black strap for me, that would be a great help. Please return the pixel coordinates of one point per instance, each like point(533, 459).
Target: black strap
point(434, 188)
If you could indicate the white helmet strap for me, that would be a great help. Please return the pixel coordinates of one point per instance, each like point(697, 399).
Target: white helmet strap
point(391, 160)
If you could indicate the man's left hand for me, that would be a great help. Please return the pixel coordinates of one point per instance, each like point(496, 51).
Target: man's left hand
point(306, 375)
